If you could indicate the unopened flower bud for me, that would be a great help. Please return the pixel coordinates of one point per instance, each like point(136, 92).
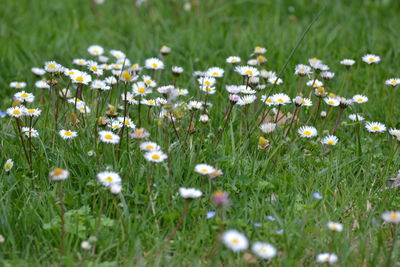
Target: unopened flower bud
point(220, 198)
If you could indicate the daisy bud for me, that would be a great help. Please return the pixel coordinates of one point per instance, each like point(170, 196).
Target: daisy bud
point(85, 245)
point(177, 70)
point(215, 174)
point(115, 189)
point(234, 98)
point(254, 80)
point(204, 118)
point(2, 239)
point(298, 101)
point(261, 60)
point(262, 143)
point(165, 50)
point(344, 102)
point(220, 198)
point(323, 114)
point(91, 153)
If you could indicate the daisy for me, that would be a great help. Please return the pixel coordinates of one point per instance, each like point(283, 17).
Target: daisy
point(38, 71)
point(24, 97)
point(95, 68)
point(394, 132)
point(130, 98)
point(233, 59)
point(259, 50)
point(206, 81)
point(300, 101)
point(280, 99)
point(155, 156)
point(190, 193)
point(154, 64)
point(247, 71)
point(356, 117)
point(391, 217)
point(16, 112)
point(330, 140)
point(302, 70)
point(128, 122)
point(275, 80)
point(165, 50)
point(360, 99)
point(8, 165)
point(117, 54)
point(233, 89)
point(267, 100)
point(314, 61)
point(327, 75)
point(263, 250)
point(247, 90)
point(101, 85)
point(370, 59)
point(70, 72)
point(314, 83)
point(204, 118)
point(81, 78)
point(18, 85)
point(334, 226)
point(208, 90)
point(115, 125)
point(110, 80)
point(58, 174)
point(307, 131)
point(83, 108)
point(149, 102)
point(327, 258)
point(246, 100)
point(140, 89)
point(181, 91)
point(177, 70)
point(149, 146)
point(115, 189)
point(108, 178)
point(95, 50)
point(267, 74)
point(375, 127)
point(140, 133)
point(109, 137)
point(268, 127)
point(332, 101)
point(42, 84)
point(204, 169)
point(195, 105)
point(79, 62)
point(30, 132)
point(149, 81)
point(393, 82)
point(235, 240)
point(347, 62)
point(215, 72)
point(52, 66)
point(68, 134)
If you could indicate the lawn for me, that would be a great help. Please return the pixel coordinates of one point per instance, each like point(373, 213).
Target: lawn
point(283, 187)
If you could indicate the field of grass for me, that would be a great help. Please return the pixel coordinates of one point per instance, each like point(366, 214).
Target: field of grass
point(272, 191)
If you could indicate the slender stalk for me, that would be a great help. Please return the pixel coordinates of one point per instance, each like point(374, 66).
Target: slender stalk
point(23, 143)
point(339, 117)
point(62, 213)
point(173, 125)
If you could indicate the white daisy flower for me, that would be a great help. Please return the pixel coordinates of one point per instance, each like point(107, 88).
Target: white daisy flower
point(149, 102)
point(115, 125)
point(130, 98)
point(327, 258)
point(393, 82)
point(24, 97)
point(30, 132)
point(259, 50)
point(391, 217)
point(110, 80)
point(190, 193)
point(149, 81)
point(307, 131)
point(206, 81)
point(109, 137)
point(8, 165)
point(179, 91)
point(267, 74)
point(67, 134)
point(332, 101)
point(268, 127)
point(315, 83)
point(370, 59)
point(141, 89)
point(118, 54)
point(394, 132)
point(215, 72)
point(16, 112)
point(38, 71)
point(375, 127)
point(204, 169)
point(233, 89)
point(149, 146)
point(101, 85)
point(155, 156)
point(128, 122)
point(330, 140)
point(235, 240)
point(154, 64)
point(233, 59)
point(42, 85)
point(208, 90)
point(95, 68)
point(95, 50)
point(347, 62)
point(58, 174)
point(52, 66)
point(18, 85)
point(246, 100)
point(275, 80)
point(79, 62)
point(264, 250)
point(356, 117)
point(280, 99)
point(177, 69)
point(81, 78)
point(327, 75)
point(195, 105)
point(267, 100)
point(302, 70)
point(108, 178)
point(360, 99)
point(247, 71)
point(334, 226)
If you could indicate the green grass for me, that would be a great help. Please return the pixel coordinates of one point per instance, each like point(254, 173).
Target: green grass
point(278, 181)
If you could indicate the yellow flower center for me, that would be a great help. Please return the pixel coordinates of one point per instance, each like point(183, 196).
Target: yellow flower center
point(141, 90)
point(155, 156)
point(214, 73)
point(8, 166)
point(235, 241)
point(58, 171)
point(233, 60)
point(280, 100)
point(208, 89)
point(52, 66)
point(138, 131)
point(149, 147)
point(94, 68)
point(16, 112)
point(249, 72)
point(360, 100)
point(204, 170)
point(79, 79)
point(307, 133)
point(109, 179)
point(375, 128)
point(330, 142)
point(330, 102)
point(155, 65)
point(126, 75)
point(148, 81)
point(24, 95)
point(207, 82)
point(371, 59)
point(68, 133)
point(393, 216)
point(151, 102)
point(108, 136)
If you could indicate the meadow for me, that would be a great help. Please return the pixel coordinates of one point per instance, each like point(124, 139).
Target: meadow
point(199, 133)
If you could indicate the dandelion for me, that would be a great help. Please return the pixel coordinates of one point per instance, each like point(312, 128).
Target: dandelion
point(307, 131)
point(371, 59)
point(360, 99)
point(393, 82)
point(108, 178)
point(330, 140)
point(334, 226)
point(149, 146)
point(154, 64)
point(330, 258)
point(235, 240)
point(233, 59)
point(155, 156)
point(190, 193)
point(263, 250)
point(67, 134)
point(58, 174)
point(204, 169)
point(8, 165)
point(375, 127)
point(109, 137)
